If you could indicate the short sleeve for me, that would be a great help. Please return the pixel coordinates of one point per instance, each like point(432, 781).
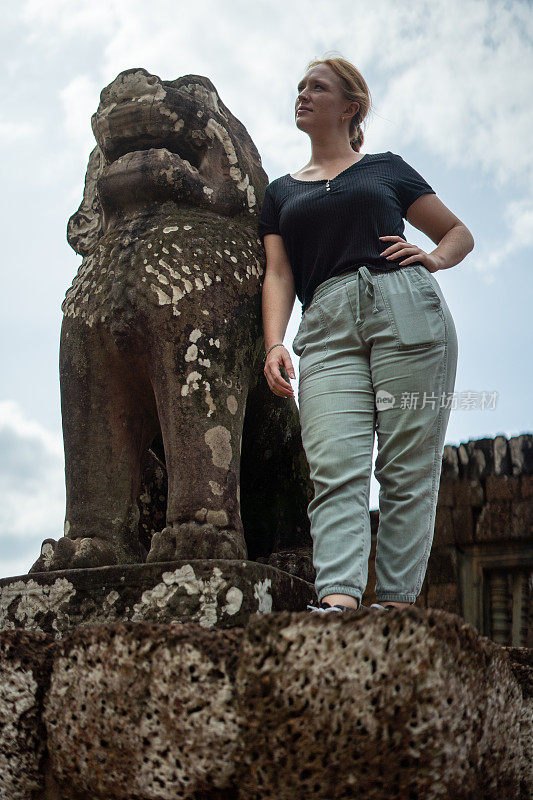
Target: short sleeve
point(410, 185)
point(269, 217)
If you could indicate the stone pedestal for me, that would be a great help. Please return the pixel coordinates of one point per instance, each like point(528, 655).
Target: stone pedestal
point(292, 706)
point(212, 593)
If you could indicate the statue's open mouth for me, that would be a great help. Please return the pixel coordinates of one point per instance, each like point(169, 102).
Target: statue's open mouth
point(129, 147)
point(133, 126)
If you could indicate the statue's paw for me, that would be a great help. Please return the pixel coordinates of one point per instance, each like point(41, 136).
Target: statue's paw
point(195, 540)
point(69, 553)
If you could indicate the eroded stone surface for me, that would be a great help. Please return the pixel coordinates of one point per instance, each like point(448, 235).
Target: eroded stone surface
point(377, 706)
point(138, 710)
point(25, 664)
point(402, 704)
point(25, 603)
point(213, 593)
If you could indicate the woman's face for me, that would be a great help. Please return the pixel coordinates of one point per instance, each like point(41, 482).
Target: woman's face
point(320, 91)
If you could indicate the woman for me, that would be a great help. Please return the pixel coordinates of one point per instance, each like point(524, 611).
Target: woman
point(377, 342)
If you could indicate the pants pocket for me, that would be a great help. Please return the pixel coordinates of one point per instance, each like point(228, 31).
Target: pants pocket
point(310, 342)
point(414, 311)
point(299, 333)
point(425, 282)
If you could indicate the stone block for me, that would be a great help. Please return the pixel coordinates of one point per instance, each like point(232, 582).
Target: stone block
point(136, 710)
point(445, 597)
point(212, 592)
point(502, 487)
point(25, 666)
point(295, 562)
point(522, 666)
point(502, 456)
point(442, 566)
point(407, 704)
point(522, 519)
point(495, 522)
point(374, 705)
point(443, 533)
point(468, 492)
point(521, 450)
point(479, 461)
point(450, 463)
point(463, 524)
point(526, 486)
point(446, 497)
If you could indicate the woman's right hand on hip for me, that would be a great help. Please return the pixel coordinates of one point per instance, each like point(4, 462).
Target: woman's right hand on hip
point(277, 359)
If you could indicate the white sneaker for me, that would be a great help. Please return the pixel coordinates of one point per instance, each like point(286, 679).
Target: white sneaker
point(325, 608)
point(380, 607)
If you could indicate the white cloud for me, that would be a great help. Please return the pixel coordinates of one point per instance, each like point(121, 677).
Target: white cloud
point(463, 91)
point(32, 487)
point(12, 131)
point(12, 419)
point(519, 220)
point(457, 73)
point(80, 98)
point(59, 19)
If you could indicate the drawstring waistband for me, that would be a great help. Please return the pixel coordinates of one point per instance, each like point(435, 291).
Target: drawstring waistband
point(363, 273)
point(369, 288)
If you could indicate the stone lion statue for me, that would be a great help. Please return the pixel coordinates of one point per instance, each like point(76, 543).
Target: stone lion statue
point(162, 334)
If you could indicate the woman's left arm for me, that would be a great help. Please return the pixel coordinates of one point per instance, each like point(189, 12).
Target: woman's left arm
point(429, 215)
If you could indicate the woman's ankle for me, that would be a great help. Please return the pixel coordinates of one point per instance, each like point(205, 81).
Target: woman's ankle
point(342, 599)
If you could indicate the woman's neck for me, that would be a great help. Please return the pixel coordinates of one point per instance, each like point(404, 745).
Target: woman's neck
point(328, 153)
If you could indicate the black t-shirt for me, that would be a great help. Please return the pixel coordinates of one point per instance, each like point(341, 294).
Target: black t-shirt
point(330, 232)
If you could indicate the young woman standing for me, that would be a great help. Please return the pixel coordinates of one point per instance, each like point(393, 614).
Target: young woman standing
point(377, 342)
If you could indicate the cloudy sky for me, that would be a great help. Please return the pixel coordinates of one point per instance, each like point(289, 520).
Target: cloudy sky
point(451, 83)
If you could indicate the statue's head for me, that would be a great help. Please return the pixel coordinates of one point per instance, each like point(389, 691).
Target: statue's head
point(164, 141)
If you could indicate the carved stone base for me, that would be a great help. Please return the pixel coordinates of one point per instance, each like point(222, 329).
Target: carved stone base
point(409, 704)
point(213, 593)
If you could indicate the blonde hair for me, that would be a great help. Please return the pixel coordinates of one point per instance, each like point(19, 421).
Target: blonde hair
point(354, 87)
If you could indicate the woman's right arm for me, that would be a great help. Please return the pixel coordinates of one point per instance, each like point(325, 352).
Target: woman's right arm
point(277, 302)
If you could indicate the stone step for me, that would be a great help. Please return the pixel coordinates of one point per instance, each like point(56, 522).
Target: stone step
point(221, 593)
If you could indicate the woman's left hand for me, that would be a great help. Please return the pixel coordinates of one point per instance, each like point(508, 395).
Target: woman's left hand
point(401, 248)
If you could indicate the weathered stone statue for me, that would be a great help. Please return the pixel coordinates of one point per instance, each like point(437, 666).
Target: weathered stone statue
point(162, 332)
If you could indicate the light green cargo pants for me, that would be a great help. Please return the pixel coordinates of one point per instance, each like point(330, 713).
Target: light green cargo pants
point(378, 351)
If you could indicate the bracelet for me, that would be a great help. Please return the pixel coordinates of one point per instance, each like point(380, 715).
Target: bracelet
point(271, 348)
